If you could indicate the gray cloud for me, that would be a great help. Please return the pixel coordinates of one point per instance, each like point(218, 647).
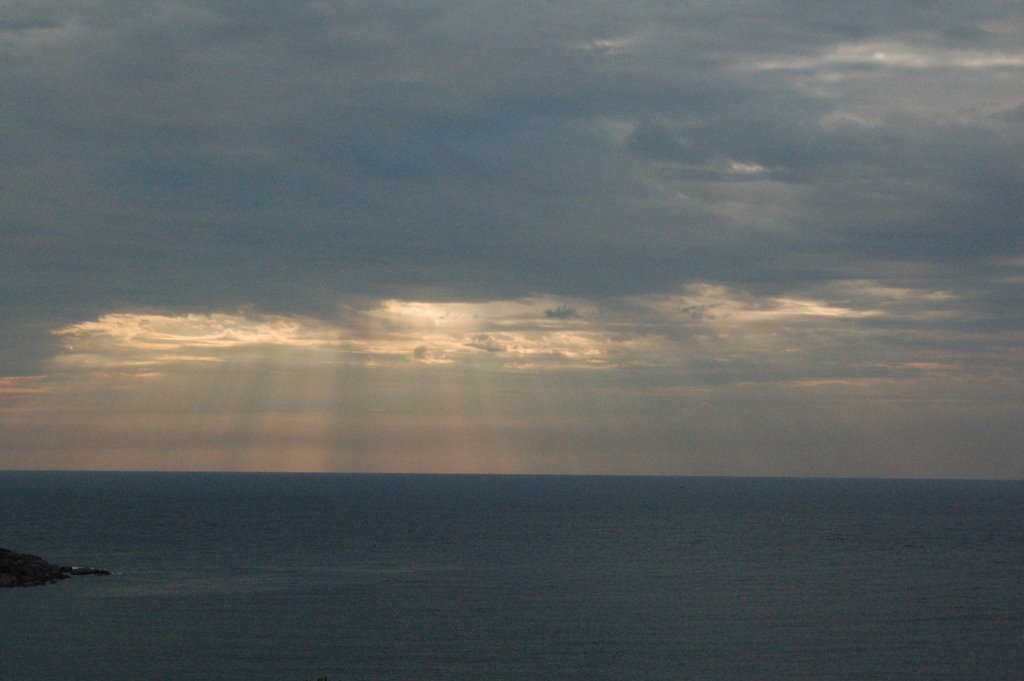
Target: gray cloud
point(303, 157)
point(388, 134)
point(561, 312)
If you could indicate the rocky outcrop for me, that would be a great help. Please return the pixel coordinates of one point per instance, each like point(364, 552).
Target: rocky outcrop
point(22, 569)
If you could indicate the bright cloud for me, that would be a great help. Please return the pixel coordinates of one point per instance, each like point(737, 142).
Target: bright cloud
point(610, 46)
point(745, 168)
point(23, 385)
point(506, 330)
point(510, 334)
point(713, 305)
point(218, 330)
point(139, 339)
point(435, 333)
point(895, 55)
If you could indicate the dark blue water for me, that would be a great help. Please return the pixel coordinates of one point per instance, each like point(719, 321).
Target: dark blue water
point(293, 577)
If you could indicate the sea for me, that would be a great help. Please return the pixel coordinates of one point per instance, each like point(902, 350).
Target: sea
point(294, 577)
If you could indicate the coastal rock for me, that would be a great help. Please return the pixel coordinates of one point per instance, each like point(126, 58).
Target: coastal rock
point(23, 569)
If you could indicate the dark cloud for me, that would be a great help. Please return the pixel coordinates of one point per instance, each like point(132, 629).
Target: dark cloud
point(561, 312)
point(244, 130)
point(487, 342)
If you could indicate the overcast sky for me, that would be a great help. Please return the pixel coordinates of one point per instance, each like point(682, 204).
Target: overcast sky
point(697, 237)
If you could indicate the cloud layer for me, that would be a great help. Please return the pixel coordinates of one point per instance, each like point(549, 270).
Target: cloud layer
point(624, 203)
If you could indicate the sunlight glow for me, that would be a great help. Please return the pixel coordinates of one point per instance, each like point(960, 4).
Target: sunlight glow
point(217, 330)
point(533, 383)
point(529, 333)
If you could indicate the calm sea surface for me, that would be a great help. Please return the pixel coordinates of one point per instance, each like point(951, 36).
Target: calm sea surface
point(294, 577)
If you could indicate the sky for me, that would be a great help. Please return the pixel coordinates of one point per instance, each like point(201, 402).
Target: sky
point(705, 237)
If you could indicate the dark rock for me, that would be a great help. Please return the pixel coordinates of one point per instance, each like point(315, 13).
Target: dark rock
point(23, 569)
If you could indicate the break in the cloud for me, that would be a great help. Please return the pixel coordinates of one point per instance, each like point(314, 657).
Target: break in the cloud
point(394, 330)
point(748, 201)
point(129, 339)
point(533, 333)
